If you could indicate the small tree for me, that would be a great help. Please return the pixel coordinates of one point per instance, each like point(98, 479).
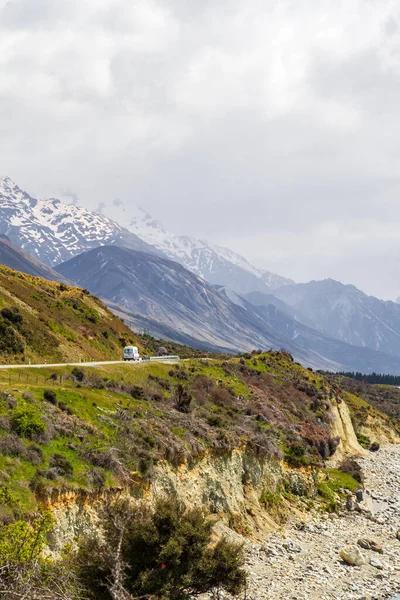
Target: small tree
point(163, 554)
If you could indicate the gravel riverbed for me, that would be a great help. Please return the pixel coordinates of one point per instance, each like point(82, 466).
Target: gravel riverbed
point(304, 564)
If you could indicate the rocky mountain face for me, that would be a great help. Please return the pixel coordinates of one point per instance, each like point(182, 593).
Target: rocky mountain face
point(169, 301)
point(345, 313)
point(215, 264)
point(53, 231)
point(164, 291)
point(15, 258)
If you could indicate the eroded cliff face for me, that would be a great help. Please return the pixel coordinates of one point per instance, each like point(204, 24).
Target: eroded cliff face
point(378, 430)
point(230, 485)
point(342, 427)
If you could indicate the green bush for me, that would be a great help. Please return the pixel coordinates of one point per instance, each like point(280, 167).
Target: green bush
point(12, 314)
point(78, 374)
point(50, 396)
point(9, 339)
point(62, 464)
point(182, 399)
point(165, 554)
point(26, 421)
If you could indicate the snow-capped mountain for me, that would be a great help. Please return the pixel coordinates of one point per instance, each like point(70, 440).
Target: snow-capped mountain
point(215, 264)
point(171, 302)
point(53, 231)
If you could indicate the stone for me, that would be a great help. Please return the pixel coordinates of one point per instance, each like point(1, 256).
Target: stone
point(360, 495)
point(352, 555)
point(378, 564)
point(370, 545)
point(398, 534)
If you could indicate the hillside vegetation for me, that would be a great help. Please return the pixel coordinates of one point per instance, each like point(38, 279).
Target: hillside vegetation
point(43, 320)
point(106, 427)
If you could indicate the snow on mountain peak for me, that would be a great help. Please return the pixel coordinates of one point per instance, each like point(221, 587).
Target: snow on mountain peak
point(211, 262)
point(141, 221)
point(54, 231)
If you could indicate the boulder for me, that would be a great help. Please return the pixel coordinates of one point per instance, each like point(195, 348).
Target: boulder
point(352, 555)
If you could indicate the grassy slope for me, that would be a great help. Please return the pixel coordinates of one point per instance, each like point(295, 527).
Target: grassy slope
point(59, 322)
point(114, 425)
point(62, 323)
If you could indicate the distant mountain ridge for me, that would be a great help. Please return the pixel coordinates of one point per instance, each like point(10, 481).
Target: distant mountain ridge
point(346, 313)
point(53, 231)
point(15, 258)
point(162, 296)
point(215, 264)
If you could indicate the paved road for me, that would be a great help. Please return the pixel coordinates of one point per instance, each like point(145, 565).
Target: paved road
point(81, 364)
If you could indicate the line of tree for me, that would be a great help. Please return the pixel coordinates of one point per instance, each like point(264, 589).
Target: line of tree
point(373, 378)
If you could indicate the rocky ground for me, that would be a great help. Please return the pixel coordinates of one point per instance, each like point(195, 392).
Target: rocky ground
point(304, 563)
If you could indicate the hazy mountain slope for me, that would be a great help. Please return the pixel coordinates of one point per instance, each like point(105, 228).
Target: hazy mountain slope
point(331, 350)
point(162, 296)
point(346, 313)
point(15, 258)
point(260, 299)
point(215, 264)
point(53, 231)
point(164, 290)
point(45, 320)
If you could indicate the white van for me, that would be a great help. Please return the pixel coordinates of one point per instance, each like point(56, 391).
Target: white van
point(131, 353)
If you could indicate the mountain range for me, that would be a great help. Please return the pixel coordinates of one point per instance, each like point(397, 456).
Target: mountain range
point(160, 295)
point(213, 263)
point(346, 313)
point(194, 292)
point(53, 231)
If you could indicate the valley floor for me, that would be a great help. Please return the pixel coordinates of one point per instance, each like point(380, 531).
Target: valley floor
point(305, 565)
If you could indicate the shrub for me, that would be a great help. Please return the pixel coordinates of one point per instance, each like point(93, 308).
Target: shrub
point(11, 445)
point(65, 408)
point(34, 454)
point(25, 573)
point(50, 396)
point(61, 464)
point(12, 315)
point(137, 392)
point(9, 340)
point(27, 422)
point(182, 399)
point(78, 374)
point(163, 554)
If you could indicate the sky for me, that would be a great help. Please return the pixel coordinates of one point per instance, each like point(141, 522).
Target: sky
point(268, 126)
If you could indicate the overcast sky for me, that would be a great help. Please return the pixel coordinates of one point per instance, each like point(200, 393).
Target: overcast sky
point(269, 126)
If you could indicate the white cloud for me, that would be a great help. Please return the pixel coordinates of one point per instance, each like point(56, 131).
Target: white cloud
point(252, 123)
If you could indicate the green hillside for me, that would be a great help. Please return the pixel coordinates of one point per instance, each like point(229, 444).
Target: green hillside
point(98, 428)
point(43, 320)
